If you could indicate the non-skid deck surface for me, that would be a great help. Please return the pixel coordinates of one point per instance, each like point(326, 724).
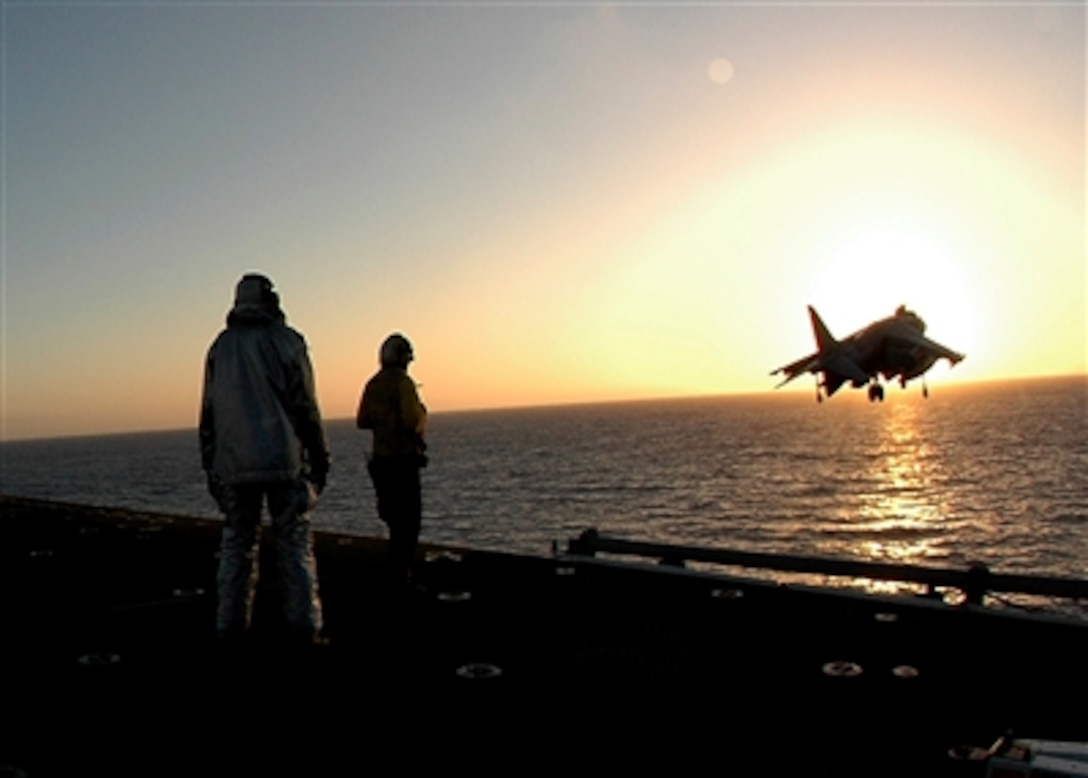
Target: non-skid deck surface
point(111, 665)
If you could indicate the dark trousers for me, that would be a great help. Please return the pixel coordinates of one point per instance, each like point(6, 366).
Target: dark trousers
point(400, 505)
point(290, 505)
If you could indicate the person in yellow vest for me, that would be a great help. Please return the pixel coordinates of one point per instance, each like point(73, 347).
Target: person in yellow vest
point(391, 409)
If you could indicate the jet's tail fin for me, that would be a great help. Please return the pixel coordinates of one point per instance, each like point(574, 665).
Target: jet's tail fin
point(836, 367)
point(825, 341)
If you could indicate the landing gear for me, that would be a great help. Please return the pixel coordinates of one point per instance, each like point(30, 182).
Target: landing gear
point(876, 393)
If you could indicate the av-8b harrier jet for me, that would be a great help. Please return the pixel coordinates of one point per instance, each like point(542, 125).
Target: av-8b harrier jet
point(888, 348)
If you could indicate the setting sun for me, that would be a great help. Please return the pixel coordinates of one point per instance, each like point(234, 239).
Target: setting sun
point(877, 270)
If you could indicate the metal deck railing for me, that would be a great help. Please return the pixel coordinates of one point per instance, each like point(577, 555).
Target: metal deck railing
point(975, 581)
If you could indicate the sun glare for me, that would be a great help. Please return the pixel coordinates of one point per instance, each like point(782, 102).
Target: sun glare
point(874, 272)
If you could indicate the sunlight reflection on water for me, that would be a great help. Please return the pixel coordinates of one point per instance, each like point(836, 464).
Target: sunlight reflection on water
point(903, 508)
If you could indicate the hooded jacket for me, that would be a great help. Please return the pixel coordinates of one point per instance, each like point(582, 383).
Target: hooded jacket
point(259, 418)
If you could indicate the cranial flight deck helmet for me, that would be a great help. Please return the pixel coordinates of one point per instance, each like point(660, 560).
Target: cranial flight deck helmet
point(396, 351)
point(255, 289)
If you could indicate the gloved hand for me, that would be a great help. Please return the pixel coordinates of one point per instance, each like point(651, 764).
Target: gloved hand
point(215, 489)
point(318, 477)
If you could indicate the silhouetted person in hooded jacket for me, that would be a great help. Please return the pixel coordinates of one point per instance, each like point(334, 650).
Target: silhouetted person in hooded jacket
point(262, 441)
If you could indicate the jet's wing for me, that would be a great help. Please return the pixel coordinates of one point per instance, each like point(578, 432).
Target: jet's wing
point(836, 367)
point(836, 360)
point(915, 339)
point(809, 364)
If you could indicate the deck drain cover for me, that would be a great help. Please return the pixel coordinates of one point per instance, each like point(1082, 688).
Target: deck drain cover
point(479, 670)
point(564, 571)
point(441, 556)
point(727, 594)
point(842, 669)
point(886, 618)
point(905, 671)
point(99, 659)
point(41, 553)
point(454, 596)
point(195, 592)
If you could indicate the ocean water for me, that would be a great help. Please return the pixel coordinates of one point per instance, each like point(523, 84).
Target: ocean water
point(996, 473)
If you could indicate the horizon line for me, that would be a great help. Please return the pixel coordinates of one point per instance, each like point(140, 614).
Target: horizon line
point(786, 393)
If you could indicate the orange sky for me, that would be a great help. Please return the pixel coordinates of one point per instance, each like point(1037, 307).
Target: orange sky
point(555, 204)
